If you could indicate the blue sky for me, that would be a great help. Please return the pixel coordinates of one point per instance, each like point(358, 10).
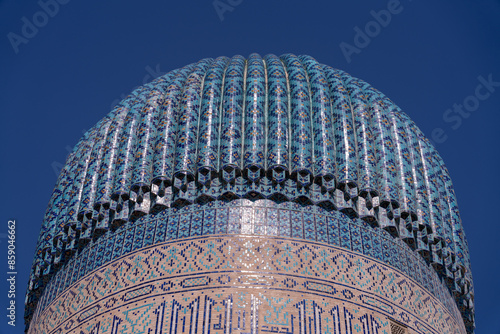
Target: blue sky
point(63, 70)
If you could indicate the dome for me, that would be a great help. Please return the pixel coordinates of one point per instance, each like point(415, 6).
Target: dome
point(280, 128)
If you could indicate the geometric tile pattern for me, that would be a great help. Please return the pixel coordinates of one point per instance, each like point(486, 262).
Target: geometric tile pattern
point(245, 284)
point(282, 128)
point(245, 217)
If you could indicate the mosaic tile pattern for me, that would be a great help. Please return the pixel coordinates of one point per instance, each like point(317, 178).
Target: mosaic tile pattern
point(238, 284)
point(283, 128)
point(252, 218)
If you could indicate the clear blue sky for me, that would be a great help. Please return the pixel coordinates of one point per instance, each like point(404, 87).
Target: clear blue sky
point(60, 77)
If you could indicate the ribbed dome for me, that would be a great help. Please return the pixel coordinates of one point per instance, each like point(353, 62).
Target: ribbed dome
point(282, 128)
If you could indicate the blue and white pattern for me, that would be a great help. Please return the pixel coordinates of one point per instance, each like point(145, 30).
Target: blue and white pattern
point(283, 128)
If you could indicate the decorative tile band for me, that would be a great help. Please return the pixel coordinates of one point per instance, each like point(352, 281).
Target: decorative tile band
point(245, 284)
point(262, 217)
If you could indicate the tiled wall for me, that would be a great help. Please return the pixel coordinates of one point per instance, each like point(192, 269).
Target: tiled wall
point(242, 284)
point(262, 217)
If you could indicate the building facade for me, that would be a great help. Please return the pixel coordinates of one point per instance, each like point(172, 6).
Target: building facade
point(260, 195)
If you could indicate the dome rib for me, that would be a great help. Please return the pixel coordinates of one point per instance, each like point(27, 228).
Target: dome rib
point(255, 106)
point(300, 121)
point(322, 124)
point(278, 136)
point(232, 119)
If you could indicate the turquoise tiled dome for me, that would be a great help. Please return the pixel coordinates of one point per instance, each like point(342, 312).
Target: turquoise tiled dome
point(285, 129)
